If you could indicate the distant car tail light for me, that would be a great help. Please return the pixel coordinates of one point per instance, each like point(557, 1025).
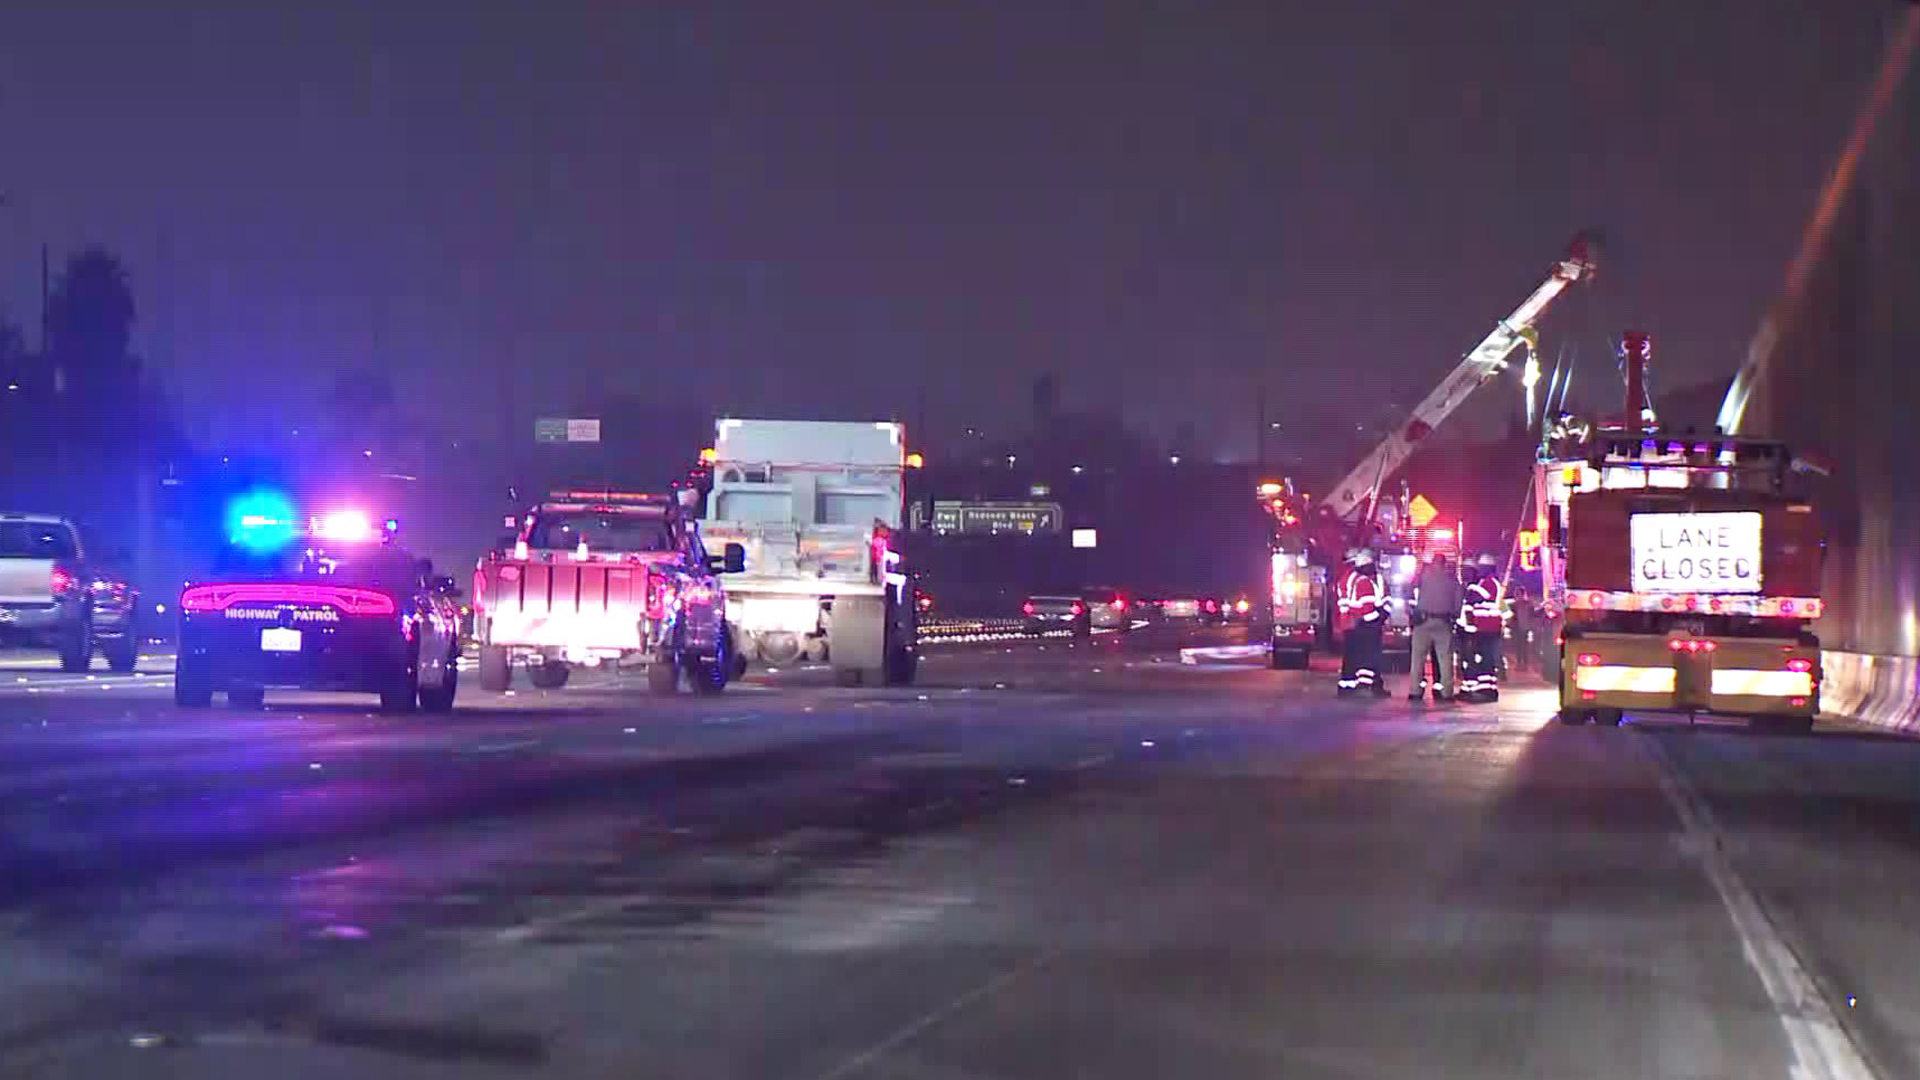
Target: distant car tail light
point(1079, 608)
point(1118, 604)
point(61, 582)
point(1026, 608)
point(1241, 606)
point(1588, 659)
point(1213, 606)
point(1799, 663)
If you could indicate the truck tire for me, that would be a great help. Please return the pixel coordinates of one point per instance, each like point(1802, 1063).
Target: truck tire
point(549, 675)
point(1573, 717)
point(709, 675)
point(1291, 659)
point(1608, 717)
point(123, 652)
point(857, 635)
point(76, 645)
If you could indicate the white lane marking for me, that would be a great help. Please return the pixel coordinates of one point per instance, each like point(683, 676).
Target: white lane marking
point(501, 747)
point(1824, 1048)
point(861, 1059)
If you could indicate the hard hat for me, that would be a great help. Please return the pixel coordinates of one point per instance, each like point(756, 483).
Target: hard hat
point(1360, 557)
point(1488, 561)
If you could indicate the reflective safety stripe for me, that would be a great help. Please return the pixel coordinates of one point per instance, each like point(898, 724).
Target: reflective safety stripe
point(1759, 683)
point(1631, 680)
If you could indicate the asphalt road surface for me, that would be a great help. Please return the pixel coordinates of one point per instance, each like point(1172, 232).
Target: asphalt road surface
point(1043, 861)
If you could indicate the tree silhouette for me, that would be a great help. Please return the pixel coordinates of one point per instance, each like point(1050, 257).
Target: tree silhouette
point(90, 317)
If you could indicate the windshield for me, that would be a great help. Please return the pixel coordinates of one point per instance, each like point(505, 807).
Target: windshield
point(602, 531)
point(35, 540)
point(376, 565)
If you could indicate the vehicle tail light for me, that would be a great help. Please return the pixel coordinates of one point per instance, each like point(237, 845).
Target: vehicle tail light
point(1799, 663)
point(1692, 645)
point(61, 582)
point(1212, 606)
point(1588, 659)
point(1079, 608)
point(1026, 608)
point(1118, 605)
point(350, 601)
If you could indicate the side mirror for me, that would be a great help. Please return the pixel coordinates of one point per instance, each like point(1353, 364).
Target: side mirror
point(735, 559)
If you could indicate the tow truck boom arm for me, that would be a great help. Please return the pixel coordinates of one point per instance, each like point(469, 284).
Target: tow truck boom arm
point(1354, 495)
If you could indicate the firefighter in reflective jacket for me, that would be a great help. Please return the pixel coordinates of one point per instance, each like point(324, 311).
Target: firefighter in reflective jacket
point(1483, 623)
point(1362, 604)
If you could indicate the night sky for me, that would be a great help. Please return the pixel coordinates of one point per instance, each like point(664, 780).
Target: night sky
point(828, 207)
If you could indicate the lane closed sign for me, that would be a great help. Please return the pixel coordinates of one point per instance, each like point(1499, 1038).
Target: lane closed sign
point(1696, 553)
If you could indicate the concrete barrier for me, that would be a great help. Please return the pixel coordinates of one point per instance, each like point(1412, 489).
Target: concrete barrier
point(1879, 690)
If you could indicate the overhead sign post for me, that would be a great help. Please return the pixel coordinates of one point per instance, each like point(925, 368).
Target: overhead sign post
point(1024, 518)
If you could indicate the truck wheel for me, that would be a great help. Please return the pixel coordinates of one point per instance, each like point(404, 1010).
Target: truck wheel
point(246, 697)
point(902, 665)
point(122, 652)
point(496, 669)
point(1290, 659)
point(76, 645)
point(549, 675)
point(709, 676)
point(1574, 717)
point(1609, 717)
point(191, 687)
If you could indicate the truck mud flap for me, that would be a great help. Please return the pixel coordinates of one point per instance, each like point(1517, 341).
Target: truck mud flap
point(857, 633)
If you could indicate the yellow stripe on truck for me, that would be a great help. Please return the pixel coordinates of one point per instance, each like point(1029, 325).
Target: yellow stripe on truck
point(1617, 678)
point(1746, 682)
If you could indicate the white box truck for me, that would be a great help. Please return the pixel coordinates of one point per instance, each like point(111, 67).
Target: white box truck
point(817, 506)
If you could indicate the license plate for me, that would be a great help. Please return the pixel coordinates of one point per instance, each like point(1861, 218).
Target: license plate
point(280, 639)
